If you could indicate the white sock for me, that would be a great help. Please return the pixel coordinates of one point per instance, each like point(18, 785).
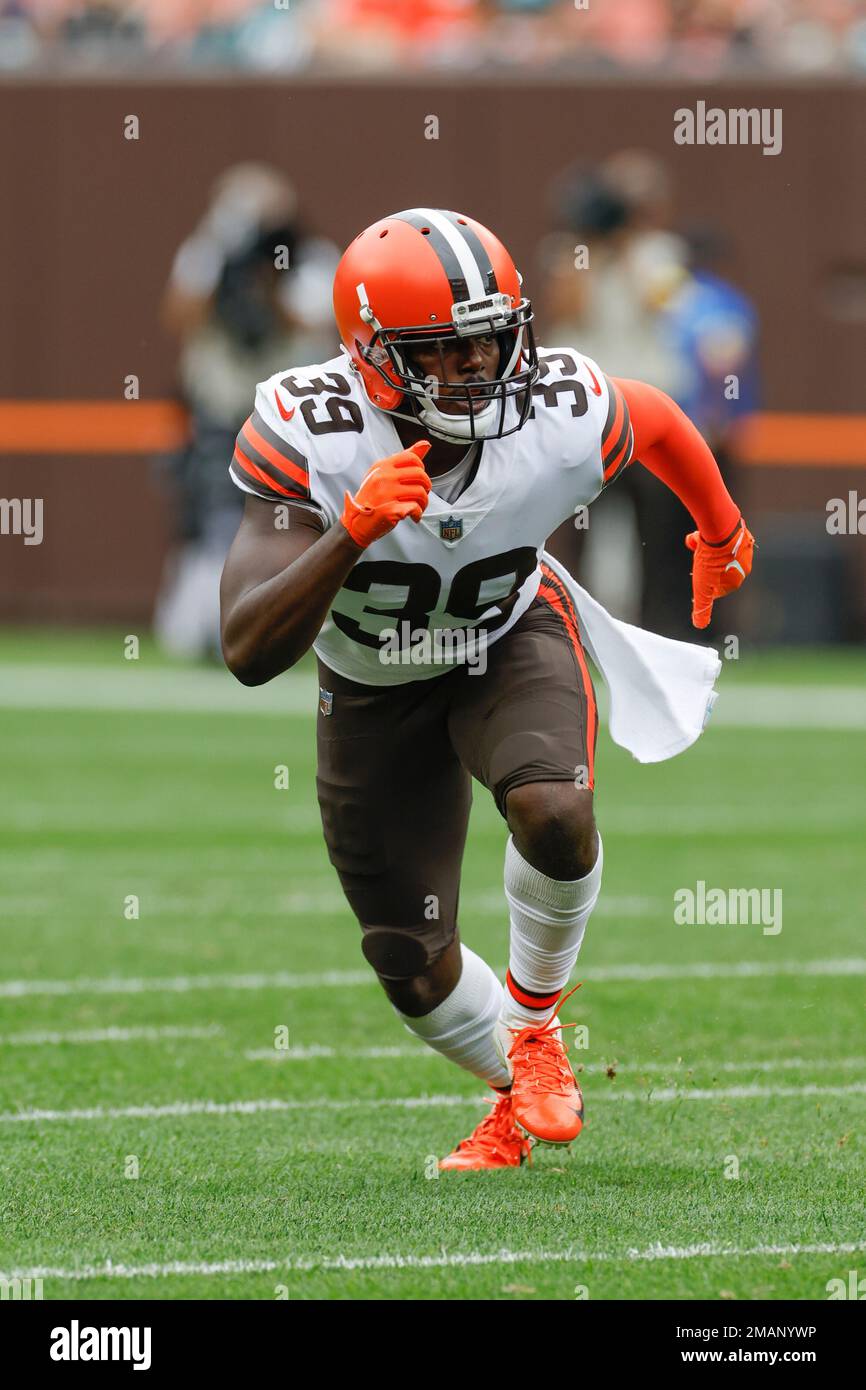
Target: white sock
point(548, 920)
point(461, 1027)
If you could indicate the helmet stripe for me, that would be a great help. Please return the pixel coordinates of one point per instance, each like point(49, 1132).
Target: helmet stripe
point(476, 246)
point(441, 246)
point(454, 235)
point(455, 256)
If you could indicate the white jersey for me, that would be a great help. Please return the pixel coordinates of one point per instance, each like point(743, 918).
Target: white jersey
point(431, 595)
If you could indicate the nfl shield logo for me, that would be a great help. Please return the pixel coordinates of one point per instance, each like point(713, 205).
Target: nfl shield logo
point(451, 529)
point(326, 700)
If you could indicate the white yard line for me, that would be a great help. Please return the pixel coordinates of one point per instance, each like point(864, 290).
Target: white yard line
point(349, 979)
point(325, 903)
point(727, 970)
point(790, 707)
point(110, 1035)
point(441, 1260)
point(318, 1052)
point(219, 1109)
point(656, 821)
point(130, 686)
point(659, 822)
point(182, 984)
point(675, 1093)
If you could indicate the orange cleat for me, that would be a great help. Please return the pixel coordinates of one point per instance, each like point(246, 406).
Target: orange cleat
point(546, 1099)
point(495, 1143)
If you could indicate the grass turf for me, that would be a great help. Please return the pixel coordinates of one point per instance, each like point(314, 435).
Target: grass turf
point(180, 809)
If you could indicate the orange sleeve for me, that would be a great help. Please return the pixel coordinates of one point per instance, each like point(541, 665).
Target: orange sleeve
point(668, 444)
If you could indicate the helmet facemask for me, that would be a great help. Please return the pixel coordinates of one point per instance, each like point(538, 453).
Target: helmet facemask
point(494, 408)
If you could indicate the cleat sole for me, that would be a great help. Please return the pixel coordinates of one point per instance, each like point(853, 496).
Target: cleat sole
point(551, 1143)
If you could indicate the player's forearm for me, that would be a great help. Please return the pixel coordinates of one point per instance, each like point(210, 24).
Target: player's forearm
point(668, 444)
point(271, 625)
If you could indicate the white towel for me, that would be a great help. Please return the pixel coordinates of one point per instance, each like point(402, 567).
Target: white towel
point(661, 691)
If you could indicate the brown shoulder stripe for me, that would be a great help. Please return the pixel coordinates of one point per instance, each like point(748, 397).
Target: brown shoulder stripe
point(244, 471)
point(617, 437)
point(622, 461)
point(286, 468)
point(276, 441)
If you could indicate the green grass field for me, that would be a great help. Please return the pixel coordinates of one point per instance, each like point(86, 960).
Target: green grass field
point(306, 1173)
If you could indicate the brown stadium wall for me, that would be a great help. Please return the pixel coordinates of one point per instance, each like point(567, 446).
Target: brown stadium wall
point(89, 223)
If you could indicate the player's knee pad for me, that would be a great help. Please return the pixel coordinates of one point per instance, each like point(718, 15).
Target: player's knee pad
point(397, 953)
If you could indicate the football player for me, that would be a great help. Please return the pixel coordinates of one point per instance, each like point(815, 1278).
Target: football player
point(400, 495)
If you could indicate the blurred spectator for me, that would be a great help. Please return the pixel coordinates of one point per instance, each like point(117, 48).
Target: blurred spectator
point(698, 38)
point(249, 293)
point(644, 302)
point(610, 271)
point(379, 34)
point(715, 328)
point(19, 38)
point(612, 304)
point(101, 21)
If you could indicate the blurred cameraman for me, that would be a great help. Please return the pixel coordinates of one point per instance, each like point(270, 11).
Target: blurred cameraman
point(249, 292)
point(611, 269)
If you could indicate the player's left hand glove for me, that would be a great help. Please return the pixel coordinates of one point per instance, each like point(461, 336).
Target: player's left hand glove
point(718, 569)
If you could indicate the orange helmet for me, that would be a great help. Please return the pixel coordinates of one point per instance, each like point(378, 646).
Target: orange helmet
point(423, 278)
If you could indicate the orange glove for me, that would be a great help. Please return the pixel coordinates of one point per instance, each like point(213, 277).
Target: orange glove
point(718, 568)
point(392, 488)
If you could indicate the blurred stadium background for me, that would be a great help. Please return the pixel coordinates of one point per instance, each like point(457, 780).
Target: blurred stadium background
point(691, 38)
point(145, 251)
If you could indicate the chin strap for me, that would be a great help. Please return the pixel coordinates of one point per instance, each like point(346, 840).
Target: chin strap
point(449, 426)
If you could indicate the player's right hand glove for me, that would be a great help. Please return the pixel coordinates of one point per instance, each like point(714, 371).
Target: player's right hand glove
point(393, 488)
point(718, 568)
